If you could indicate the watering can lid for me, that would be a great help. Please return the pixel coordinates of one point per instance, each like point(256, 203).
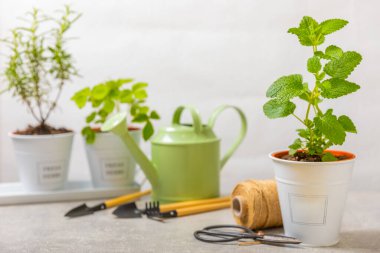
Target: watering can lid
point(184, 134)
point(179, 133)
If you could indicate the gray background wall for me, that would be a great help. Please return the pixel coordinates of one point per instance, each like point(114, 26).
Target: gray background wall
point(208, 53)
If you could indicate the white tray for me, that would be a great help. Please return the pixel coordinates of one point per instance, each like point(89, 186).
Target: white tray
point(13, 193)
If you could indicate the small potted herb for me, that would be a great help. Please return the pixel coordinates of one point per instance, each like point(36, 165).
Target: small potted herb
point(37, 69)
point(313, 180)
point(110, 162)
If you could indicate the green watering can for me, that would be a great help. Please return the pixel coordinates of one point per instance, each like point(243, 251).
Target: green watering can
point(185, 157)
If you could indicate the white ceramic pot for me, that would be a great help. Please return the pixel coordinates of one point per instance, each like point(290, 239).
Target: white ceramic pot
point(312, 197)
point(43, 160)
point(111, 164)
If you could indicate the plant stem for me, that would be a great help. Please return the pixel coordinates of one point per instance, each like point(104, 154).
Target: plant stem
point(299, 119)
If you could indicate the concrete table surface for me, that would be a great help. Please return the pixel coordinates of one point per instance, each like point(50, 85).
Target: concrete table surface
point(42, 228)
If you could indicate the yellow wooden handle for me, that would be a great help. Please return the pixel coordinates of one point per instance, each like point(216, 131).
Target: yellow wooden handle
point(202, 208)
point(125, 198)
point(174, 206)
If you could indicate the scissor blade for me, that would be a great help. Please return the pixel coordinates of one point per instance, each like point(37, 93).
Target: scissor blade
point(279, 239)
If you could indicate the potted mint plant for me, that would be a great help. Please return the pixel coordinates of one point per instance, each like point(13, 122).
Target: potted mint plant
point(110, 162)
point(37, 69)
point(312, 179)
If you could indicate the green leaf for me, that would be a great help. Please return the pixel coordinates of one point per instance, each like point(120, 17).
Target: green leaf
point(80, 97)
point(335, 87)
point(108, 106)
point(275, 108)
point(297, 144)
point(347, 124)
point(141, 94)
point(154, 115)
point(332, 25)
point(99, 91)
point(303, 133)
point(286, 87)
point(89, 134)
point(334, 52)
point(314, 64)
point(90, 117)
point(126, 96)
point(328, 157)
point(308, 32)
point(144, 109)
point(330, 127)
point(138, 86)
point(140, 118)
point(321, 55)
point(148, 130)
point(343, 66)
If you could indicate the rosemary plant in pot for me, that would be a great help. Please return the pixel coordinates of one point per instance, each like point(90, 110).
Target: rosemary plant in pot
point(38, 68)
point(313, 180)
point(111, 164)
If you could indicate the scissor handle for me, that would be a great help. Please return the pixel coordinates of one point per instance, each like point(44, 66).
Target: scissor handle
point(211, 235)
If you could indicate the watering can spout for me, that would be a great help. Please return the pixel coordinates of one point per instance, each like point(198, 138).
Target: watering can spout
point(118, 125)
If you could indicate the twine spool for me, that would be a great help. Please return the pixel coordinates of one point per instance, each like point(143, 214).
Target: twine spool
point(255, 204)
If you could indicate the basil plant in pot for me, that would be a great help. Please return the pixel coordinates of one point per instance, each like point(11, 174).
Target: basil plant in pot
point(313, 180)
point(110, 162)
point(37, 69)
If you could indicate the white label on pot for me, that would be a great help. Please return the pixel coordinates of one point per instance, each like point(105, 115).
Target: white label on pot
point(308, 209)
point(50, 172)
point(115, 169)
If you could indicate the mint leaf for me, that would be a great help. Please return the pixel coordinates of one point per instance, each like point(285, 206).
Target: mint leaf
point(297, 144)
point(99, 91)
point(108, 106)
point(154, 115)
point(314, 64)
point(321, 55)
point(148, 130)
point(347, 124)
point(304, 133)
point(334, 52)
point(330, 127)
point(344, 65)
point(332, 25)
point(335, 87)
point(307, 32)
point(286, 87)
point(90, 117)
point(138, 86)
point(80, 97)
point(140, 118)
point(275, 108)
point(328, 157)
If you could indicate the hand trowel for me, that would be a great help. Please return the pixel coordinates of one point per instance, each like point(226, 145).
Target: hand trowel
point(85, 210)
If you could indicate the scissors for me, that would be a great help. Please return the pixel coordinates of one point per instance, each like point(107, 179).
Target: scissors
point(229, 233)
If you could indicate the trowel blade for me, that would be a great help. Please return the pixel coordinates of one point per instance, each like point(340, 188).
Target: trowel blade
point(79, 211)
point(128, 210)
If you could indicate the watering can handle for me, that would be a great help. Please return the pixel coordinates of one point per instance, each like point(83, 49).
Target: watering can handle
point(243, 130)
point(197, 122)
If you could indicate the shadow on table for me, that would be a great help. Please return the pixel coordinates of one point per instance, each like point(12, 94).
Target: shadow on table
point(361, 239)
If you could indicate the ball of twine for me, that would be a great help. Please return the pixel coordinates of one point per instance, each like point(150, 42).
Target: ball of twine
point(255, 204)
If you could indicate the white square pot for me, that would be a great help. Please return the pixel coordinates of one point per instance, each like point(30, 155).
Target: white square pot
point(43, 160)
point(111, 164)
point(312, 197)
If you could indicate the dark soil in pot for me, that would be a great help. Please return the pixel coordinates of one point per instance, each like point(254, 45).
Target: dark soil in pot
point(42, 130)
point(304, 157)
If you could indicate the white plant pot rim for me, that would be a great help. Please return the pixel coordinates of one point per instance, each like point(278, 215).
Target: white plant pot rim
point(349, 160)
point(42, 136)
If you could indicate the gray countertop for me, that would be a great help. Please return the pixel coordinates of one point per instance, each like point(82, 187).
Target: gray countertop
point(42, 228)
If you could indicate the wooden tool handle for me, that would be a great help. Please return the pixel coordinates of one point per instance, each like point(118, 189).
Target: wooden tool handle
point(125, 198)
point(202, 208)
point(174, 206)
